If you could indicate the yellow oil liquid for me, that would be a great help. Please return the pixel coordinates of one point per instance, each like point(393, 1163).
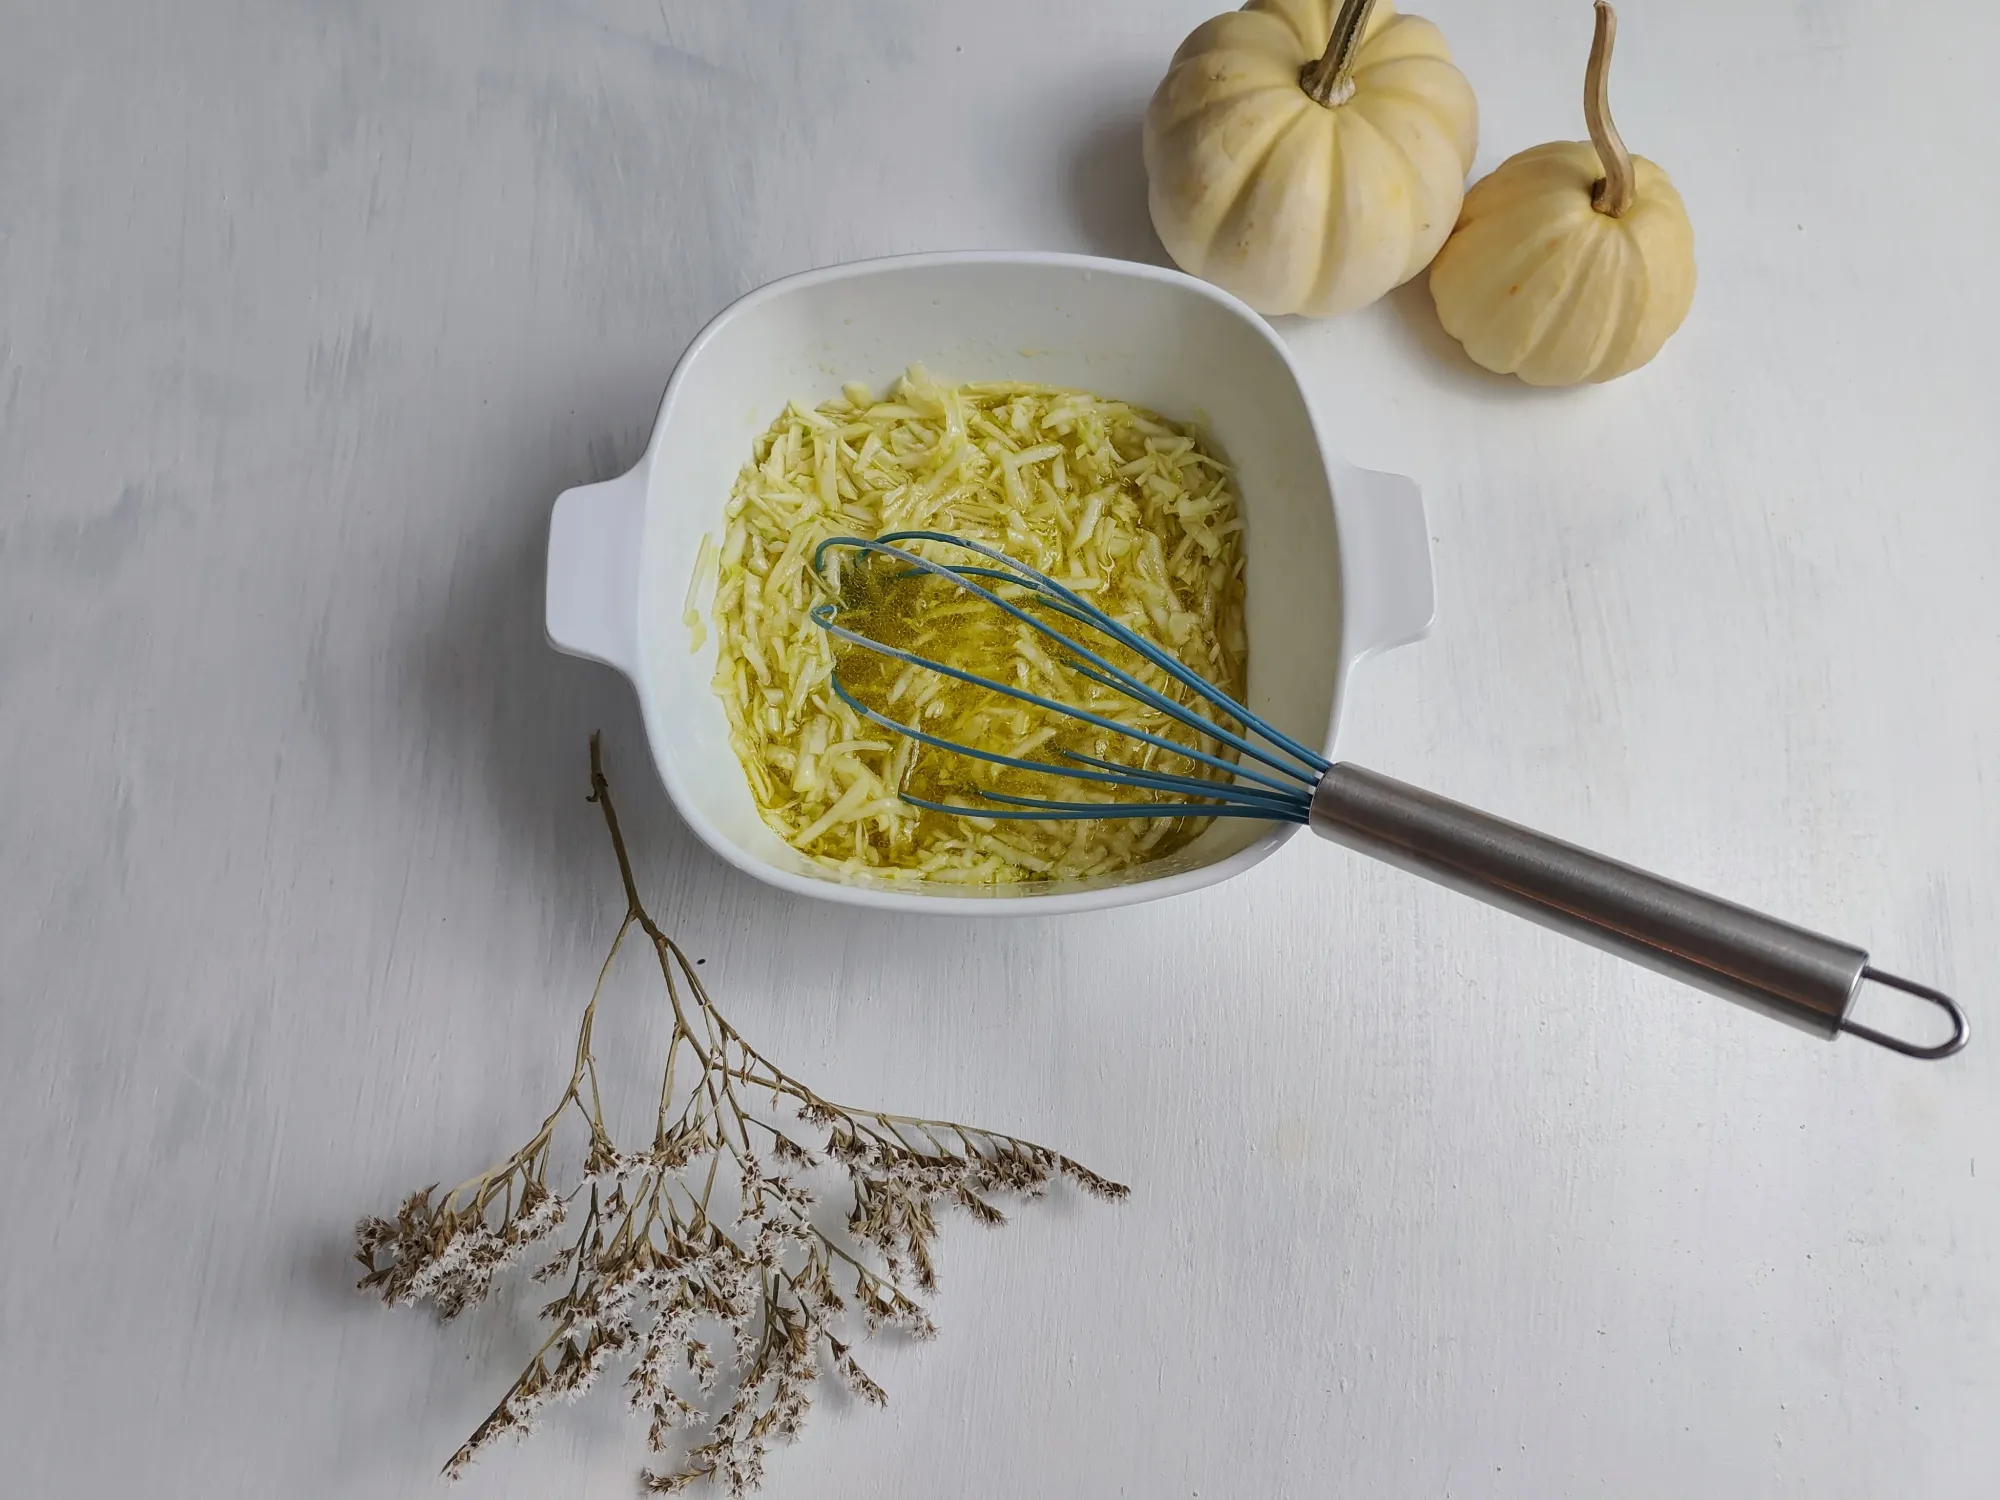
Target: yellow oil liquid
point(885, 601)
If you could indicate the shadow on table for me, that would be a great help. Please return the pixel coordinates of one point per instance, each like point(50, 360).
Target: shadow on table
point(494, 707)
point(1442, 355)
point(1106, 181)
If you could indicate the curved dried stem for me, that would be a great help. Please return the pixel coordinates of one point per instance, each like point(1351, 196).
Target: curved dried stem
point(1619, 187)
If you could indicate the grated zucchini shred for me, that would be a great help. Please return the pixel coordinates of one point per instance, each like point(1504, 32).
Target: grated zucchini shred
point(1116, 502)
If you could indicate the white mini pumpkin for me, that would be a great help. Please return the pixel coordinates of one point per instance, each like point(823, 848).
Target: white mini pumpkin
point(1574, 261)
point(1309, 155)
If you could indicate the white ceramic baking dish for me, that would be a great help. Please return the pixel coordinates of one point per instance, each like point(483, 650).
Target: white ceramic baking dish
point(1338, 564)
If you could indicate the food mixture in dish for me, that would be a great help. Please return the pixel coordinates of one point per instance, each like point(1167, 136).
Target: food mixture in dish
point(1112, 501)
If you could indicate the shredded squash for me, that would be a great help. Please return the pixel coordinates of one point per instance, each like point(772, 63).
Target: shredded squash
point(1119, 504)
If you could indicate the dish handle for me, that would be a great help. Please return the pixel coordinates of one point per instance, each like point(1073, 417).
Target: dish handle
point(593, 580)
point(1385, 547)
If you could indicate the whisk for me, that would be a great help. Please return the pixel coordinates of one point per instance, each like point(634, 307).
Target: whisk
point(1280, 793)
point(1784, 971)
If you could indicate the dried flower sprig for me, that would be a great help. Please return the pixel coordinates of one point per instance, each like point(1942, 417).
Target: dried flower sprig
point(707, 1235)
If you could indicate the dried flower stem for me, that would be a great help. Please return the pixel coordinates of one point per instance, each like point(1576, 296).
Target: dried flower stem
point(710, 1228)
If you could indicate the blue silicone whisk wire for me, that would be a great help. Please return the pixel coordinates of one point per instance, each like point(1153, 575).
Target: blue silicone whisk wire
point(1281, 791)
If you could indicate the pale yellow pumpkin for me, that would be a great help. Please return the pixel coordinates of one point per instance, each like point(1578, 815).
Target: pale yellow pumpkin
point(1309, 155)
point(1572, 262)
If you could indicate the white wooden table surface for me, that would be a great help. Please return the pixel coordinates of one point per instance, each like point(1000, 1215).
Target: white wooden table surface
point(307, 311)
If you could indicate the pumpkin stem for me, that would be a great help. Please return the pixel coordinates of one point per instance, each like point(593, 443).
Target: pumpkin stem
point(1330, 79)
point(1619, 186)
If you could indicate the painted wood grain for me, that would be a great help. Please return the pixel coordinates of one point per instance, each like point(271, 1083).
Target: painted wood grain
point(309, 308)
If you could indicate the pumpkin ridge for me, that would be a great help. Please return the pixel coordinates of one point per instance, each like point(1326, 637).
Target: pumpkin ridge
point(1410, 76)
point(1495, 195)
point(1409, 99)
point(1525, 256)
point(1605, 263)
point(1558, 307)
point(1404, 38)
point(1481, 321)
point(1269, 149)
point(1324, 267)
point(1224, 191)
point(1608, 262)
point(1381, 77)
point(1413, 228)
point(1213, 99)
point(1282, 12)
point(1267, 35)
point(1551, 157)
point(1635, 293)
point(1424, 60)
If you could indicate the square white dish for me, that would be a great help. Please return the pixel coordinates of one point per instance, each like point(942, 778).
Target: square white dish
point(1338, 559)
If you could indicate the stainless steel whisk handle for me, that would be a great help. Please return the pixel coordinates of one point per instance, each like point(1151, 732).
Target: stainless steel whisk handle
point(1784, 971)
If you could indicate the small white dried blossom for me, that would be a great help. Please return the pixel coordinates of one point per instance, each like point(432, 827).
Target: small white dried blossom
point(611, 1172)
point(775, 1240)
point(702, 1363)
point(857, 1380)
